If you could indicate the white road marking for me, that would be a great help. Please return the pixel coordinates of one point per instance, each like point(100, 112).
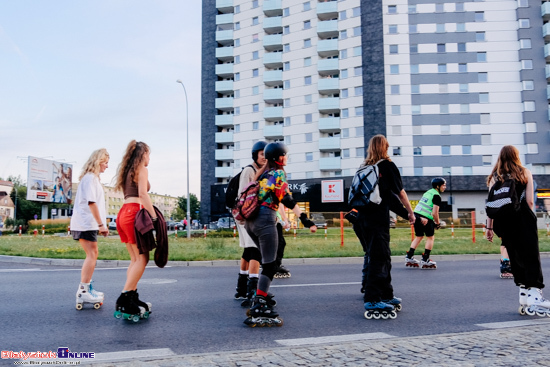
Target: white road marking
point(75, 269)
point(508, 324)
point(16, 270)
point(311, 285)
point(133, 354)
point(333, 339)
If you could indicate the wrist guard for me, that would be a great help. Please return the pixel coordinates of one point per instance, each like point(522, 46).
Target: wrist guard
point(306, 221)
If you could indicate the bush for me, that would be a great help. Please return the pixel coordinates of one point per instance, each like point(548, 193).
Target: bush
point(50, 225)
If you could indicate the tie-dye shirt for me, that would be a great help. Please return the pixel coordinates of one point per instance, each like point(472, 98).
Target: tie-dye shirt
point(273, 188)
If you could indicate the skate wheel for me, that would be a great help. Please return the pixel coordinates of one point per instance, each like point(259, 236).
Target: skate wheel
point(97, 306)
point(79, 306)
point(146, 315)
point(393, 315)
point(248, 313)
point(529, 312)
point(135, 318)
point(384, 316)
point(368, 315)
point(376, 316)
point(279, 324)
point(118, 314)
point(541, 314)
point(521, 310)
point(398, 307)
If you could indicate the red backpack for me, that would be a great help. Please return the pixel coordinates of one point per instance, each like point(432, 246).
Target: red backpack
point(248, 205)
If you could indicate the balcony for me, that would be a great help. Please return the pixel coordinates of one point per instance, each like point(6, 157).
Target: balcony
point(224, 138)
point(328, 66)
point(273, 25)
point(327, 28)
point(273, 42)
point(329, 105)
point(328, 85)
point(548, 92)
point(224, 53)
point(223, 172)
point(273, 96)
point(224, 37)
point(273, 113)
point(547, 52)
point(224, 18)
point(328, 124)
point(273, 131)
point(224, 6)
point(273, 59)
point(326, 48)
point(224, 120)
point(224, 154)
point(273, 8)
point(224, 104)
point(547, 69)
point(327, 10)
point(224, 86)
point(329, 144)
point(273, 77)
point(545, 11)
point(224, 70)
point(330, 163)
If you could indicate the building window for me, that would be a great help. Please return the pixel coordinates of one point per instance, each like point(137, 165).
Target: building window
point(286, 29)
point(417, 151)
point(393, 49)
point(483, 97)
point(528, 85)
point(345, 113)
point(466, 149)
point(529, 106)
point(485, 139)
point(307, 6)
point(392, 9)
point(359, 111)
point(357, 31)
point(415, 109)
point(237, 26)
point(396, 110)
point(237, 59)
point(309, 175)
point(356, 12)
point(481, 57)
point(413, 48)
point(482, 77)
point(309, 157)
point(307, 61)
point(394, 89)
point(414, 69)
point(288, 140)
point(255, 125)
point(440, 47)
point(442, 68)
point(394, 69)
point(479, 16)
point(467, 171)
point(286, 102)
point(237, 111)
point(413, 28)
point(415, 88)
point(460, 27)
point(440, 28)
point(255, 73)
point(445, 129)
point(287, 121)
point(412, 9)
point(357, 51)
point(443, 88)
point(445, 150)
point(255, 38)
point(444, 108)
point(237, 93)
point(524, 23)
point(344, 93)
point(237, 9)
point(286, 84)
point(307, 80)
point(487, 160)
point(255, 55)
point(523, 3)
point(359, 131)
point(345, 133)
point(307, 99)
point(359, 152)
point(358, 71)
point(255, 107)
point(461, 47)
point(345, 153)
point(439, 8)
point(343, 15)
point(254, 4)
point(463, 88)
point(344, 54)
point(480, 36)
point(307, 43)
point(344, 74)
point(307, 24)
point(309, 118)
point(286, 66)
point(343, 34)
point(462, 68)
point(237, 42)
point(286, 12)
point(255, 21)
point(286, 47)
point(392, 29)
point(464, 108)
point(309, 137)
point(358, 91)
point(524, 43)
point(459, 7)
point(527, 64)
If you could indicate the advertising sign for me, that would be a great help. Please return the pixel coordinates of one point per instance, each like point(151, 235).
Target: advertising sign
point(49, 181)
point(332, 191)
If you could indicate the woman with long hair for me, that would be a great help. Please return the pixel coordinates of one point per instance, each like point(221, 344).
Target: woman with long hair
point(89, 217)
point(262, 229)
point(132, 178)
point(372, 227)
point(519, 232)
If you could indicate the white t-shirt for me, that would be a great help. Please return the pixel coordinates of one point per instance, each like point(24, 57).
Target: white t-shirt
point(89, 190)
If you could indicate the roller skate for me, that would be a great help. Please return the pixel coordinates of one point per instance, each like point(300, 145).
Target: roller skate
point(522, 299)
point(250, 292)
point(428, 264)
point(241, 287)
point(536, 303)
point(411, 262)
point(86, 294)
point(505, 269)
point(148, 306)
point(395, 302)
point(261, 314)
point(127, 309)
point(379, 310)
point(282, 272)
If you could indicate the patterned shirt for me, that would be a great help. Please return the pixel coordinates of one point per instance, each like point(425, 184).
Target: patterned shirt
point(273, 188)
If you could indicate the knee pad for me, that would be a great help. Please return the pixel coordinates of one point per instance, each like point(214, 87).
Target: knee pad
point(269, 270)
point(252, 253)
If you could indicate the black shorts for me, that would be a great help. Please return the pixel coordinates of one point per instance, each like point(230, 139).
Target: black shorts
point(85, 235)
point(420, 230)
point(252, 253)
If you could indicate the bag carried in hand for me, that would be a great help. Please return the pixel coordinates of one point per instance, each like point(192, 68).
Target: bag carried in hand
point(364, 187)
point(503, 199)
point(232, 191)
point(248, 205)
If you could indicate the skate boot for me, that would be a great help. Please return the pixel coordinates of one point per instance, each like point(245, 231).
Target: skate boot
point(85, 295)
point(536, 303)
point(261, 314)
point(411, 262)
point(428, 264)
point(282, 272)
point(94, 291)
point(395, 302)
point(250, 292)
point(241, 286)
point(379, 310)
point(147, 306)
point(505, 269)
point(522, 299)
point(127, 309)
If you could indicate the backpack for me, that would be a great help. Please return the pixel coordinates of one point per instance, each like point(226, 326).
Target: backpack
point(503, 199)
point(364, 187)
point(232, 190)
point(247, 205)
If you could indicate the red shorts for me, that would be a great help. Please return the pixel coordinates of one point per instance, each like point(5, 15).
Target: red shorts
point(125, 222)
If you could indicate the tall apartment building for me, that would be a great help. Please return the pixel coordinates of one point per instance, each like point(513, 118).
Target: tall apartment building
point(448, 82)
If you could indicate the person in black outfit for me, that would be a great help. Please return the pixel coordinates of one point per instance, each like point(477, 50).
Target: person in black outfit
point(372, 227)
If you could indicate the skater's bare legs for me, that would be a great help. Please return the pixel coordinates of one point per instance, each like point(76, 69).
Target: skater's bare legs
point(430, 243)
point(503, 252)
point(138, 262)
point(416, 242)
point(90, 248)
point(253, 267)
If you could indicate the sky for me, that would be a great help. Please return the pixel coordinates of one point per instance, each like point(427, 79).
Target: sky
point(76, 76)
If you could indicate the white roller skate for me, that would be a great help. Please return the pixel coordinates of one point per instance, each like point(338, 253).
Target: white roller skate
point(94, 291)
point(411, 262)
point(428, 264)
point(84, 294)
point(522, 300)
point(536, 303)
point(379, 310)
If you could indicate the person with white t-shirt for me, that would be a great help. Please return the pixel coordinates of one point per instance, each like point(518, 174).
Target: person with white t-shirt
point(89, 219)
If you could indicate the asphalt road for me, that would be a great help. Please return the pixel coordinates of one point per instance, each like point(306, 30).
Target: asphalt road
point(194, 312)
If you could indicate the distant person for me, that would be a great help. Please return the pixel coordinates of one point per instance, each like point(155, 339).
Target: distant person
point(58, 196)
point(89, 217)
point(427, 221)
point(132, 178)
point(519, 233)
point(282, 223)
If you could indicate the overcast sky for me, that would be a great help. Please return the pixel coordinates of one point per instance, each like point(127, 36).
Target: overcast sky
point(76, 76)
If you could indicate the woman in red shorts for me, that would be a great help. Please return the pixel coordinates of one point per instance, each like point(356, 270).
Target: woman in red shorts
point(132, 178)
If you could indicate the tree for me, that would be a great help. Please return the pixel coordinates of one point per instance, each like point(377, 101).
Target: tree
point(26, 209)
point(195, 205)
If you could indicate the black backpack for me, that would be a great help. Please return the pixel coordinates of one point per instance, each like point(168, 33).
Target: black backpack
point(232, 191)
point(503, 199)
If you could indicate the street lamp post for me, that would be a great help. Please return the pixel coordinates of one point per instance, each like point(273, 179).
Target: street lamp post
point(187, 129)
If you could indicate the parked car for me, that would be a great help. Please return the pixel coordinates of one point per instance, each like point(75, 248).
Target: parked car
point(319, 220)
point(172, 226)
point(226, 222)
point(392, 222)
point(111, 219)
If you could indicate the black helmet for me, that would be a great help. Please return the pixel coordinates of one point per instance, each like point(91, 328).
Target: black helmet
point(273, 151)
point(257, 147)
point(438, 181)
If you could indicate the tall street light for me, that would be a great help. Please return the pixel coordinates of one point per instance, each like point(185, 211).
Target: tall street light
point(187, 127)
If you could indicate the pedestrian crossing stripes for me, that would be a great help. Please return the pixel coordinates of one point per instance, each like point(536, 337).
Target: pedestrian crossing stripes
point(509, 324)
point(332, 339)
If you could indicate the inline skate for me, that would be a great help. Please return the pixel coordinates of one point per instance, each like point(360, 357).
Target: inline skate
point(536, 303)
point(282, 272)
point(262, 314)
point(395, 302)
point(379, 310)
point(505, 269)
point(127, 309)
point(428, 264)
point(411, 262)
point(522, 299)
point(250, 292)
point(86, 294)
point(241, 287)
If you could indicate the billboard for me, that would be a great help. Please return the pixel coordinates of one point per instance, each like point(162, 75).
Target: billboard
point(49, 181)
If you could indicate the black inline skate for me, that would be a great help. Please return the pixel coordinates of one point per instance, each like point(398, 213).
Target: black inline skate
point(505, 269)
point(262, 314)
point(282, 272)
point(250, 292)
point(241, 286)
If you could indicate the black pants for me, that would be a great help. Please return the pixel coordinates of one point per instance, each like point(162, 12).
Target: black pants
point(282, 244)
point(375, 240)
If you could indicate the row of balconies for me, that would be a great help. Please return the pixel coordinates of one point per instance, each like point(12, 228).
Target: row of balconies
point(274, 59)
point(275, 78)
point(273, 8)
point(325, 29)
point(325, 164)
point(325, 124)
point(276, 132)
point(324, 105)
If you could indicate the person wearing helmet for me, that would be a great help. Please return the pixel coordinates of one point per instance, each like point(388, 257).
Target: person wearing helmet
point(251, 257)
point(427, 220)
point(273, 190)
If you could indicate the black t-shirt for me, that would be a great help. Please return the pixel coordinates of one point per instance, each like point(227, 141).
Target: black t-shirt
point(436, 200)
